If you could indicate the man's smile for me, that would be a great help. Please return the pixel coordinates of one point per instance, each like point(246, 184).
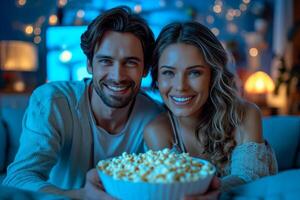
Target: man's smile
point(117, 88)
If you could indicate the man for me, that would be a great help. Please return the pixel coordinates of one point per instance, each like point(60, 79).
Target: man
point(69, 126)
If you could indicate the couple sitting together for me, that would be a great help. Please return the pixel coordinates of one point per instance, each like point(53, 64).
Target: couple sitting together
point(69, 126)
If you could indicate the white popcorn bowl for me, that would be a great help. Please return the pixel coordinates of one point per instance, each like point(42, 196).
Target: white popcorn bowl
point(128, 190)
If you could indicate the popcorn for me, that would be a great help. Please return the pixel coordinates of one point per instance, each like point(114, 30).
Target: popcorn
point(162, 166)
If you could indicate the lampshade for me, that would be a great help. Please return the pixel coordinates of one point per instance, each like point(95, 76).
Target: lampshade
point(18, 56)
point(259, 83)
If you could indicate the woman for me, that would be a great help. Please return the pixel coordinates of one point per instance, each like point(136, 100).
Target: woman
point(206, 117)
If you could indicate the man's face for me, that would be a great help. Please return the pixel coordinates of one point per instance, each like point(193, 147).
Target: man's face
point(117, 68)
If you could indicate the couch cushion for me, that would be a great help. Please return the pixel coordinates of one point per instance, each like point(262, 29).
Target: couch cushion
point(3, 136)
point(283, 133)
point(13, 107)
point(284, 185)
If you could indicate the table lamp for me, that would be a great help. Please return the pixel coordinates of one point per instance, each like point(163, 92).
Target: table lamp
point(257, 86)
point(16, 57)
point(259, 83)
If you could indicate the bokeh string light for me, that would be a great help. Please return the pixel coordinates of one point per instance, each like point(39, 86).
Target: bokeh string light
point(219, 8)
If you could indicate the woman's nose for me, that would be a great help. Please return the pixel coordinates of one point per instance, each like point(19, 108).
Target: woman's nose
point(180, 82)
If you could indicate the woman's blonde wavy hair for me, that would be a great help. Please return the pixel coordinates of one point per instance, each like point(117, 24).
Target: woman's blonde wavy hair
point(223, 111)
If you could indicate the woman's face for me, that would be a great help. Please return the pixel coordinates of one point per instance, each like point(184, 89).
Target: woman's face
point(183, 79)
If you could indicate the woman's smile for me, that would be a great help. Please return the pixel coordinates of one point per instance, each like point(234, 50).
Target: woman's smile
point(183, 79)
point(182, 100)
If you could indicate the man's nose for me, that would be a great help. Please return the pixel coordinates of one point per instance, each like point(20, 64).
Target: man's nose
point(118, 72)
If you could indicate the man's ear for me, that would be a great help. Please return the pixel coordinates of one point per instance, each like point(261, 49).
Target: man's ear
point(89, 67)
point(145, 72)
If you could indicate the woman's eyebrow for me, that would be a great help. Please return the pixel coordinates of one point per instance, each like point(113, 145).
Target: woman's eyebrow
point(166, 66)
point(196, 66)
point(188, 68)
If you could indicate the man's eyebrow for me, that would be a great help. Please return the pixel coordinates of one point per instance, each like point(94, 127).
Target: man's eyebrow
point(133, 58)
point(98, 56)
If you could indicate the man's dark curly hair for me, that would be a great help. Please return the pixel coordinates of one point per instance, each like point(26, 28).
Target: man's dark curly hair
point(119, 19)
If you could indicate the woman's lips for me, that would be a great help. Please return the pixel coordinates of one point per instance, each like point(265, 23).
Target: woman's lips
point(181, 100)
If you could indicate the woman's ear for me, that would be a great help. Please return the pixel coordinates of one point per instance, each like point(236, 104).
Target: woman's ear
point(89, 67)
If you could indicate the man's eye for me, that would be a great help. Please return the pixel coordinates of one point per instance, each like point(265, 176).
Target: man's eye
point(195, 73)
point(168, 73)
point(105, 61)
point(131, 63)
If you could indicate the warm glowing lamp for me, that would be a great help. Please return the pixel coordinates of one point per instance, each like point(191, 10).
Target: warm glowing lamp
point(18, 56)
point(259, 83)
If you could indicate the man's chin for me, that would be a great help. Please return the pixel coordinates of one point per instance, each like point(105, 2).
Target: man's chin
point(117, 103)
point(116, 106)
point(116, 100)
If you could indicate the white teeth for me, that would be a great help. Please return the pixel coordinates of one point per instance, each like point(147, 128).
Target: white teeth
point(116, 88)
point(181, 99)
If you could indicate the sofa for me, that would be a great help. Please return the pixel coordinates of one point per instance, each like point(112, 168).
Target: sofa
point(282, 132)
point(12, 108)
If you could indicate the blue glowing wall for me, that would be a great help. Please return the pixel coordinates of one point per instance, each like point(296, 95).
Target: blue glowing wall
point(65, 60)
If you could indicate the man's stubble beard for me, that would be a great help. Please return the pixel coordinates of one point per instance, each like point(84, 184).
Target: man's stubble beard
point(114, 101)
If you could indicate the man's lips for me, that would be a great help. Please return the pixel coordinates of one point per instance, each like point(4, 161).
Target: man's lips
point(117, 88)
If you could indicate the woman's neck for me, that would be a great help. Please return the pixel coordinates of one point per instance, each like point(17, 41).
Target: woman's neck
point(188, 122)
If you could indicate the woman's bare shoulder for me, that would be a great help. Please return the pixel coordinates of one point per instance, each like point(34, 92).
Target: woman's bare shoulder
point(251, 126)
point(161, 124)
point(252, 110)
point(158, 133)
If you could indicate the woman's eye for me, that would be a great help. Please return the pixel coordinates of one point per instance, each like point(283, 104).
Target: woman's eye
point(195, 73)
point(168, 73)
